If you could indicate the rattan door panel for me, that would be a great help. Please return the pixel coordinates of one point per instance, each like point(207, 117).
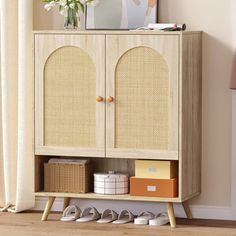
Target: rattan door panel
point(69, 104)
point(142, 76)
point(69, 77)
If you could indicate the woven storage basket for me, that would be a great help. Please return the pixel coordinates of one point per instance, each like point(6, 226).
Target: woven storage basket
point(69, 178)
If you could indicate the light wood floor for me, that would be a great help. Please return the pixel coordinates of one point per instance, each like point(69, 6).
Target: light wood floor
point(29, 224)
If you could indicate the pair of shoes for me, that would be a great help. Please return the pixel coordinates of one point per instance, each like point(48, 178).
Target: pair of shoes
point(73, 213)
point(110, 216)
point(124, 217)
point(149, 218)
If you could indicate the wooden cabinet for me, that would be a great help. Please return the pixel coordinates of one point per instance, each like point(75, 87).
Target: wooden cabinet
point(120, 95)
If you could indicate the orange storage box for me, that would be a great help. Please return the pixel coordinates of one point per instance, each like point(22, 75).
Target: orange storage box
point(154, 187)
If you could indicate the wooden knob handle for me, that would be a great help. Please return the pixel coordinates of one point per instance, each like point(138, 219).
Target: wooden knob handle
point(110, 99)
point(99, 99)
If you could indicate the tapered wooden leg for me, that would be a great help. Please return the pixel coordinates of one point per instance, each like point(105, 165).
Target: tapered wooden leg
point(48, 208)
point(187, 210)
point(66, 203)
point(171, 214)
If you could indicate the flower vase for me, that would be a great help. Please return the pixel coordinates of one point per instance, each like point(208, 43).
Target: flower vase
point(71, 19)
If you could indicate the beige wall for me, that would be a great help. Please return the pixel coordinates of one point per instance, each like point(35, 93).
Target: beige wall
point(214, 18)
point(45, 20)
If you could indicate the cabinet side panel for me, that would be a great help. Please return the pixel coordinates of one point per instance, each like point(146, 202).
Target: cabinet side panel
point(197, 114)
point(191, 116)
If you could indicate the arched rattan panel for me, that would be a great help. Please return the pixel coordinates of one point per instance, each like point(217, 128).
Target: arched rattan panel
point(142, 100)
point(69, 98)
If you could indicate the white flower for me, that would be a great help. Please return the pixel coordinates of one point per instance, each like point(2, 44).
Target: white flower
point(48, 7)
point(66, 4)
point(72, 5)
point(62, 3)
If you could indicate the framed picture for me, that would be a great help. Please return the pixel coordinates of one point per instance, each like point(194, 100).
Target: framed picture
point(121, 14)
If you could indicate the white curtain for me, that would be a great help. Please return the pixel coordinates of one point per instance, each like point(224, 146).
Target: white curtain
point(16, 108)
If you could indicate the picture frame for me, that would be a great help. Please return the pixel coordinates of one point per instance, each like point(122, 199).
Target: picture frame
point(121, 14)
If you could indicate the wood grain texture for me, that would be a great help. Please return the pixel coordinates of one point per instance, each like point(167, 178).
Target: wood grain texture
point(66, 203)
point(124, 197)
point(45, 45)
point(187, 210)
point(171, 214)
point(114, 32)
point(70, 151)
point(48, 207)
point(29, 224)
point(142, 154)
point(116, 47)
point(103, 165)
point(39, 173)
point(190, 116)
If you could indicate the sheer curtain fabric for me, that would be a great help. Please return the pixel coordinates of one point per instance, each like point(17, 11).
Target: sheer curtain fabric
point(16, 108)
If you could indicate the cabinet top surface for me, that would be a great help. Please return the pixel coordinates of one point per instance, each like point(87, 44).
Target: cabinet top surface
point(115, 32)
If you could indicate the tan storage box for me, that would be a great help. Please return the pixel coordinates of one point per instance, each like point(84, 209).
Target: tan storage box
point(153, 187)
point(156, 169)
point(68, 178)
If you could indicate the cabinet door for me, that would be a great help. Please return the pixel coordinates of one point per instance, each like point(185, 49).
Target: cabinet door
point(69, 76)
point(142, 96)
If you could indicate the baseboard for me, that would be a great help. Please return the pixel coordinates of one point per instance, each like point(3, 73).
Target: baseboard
point(208, 212)
point(198, 211)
